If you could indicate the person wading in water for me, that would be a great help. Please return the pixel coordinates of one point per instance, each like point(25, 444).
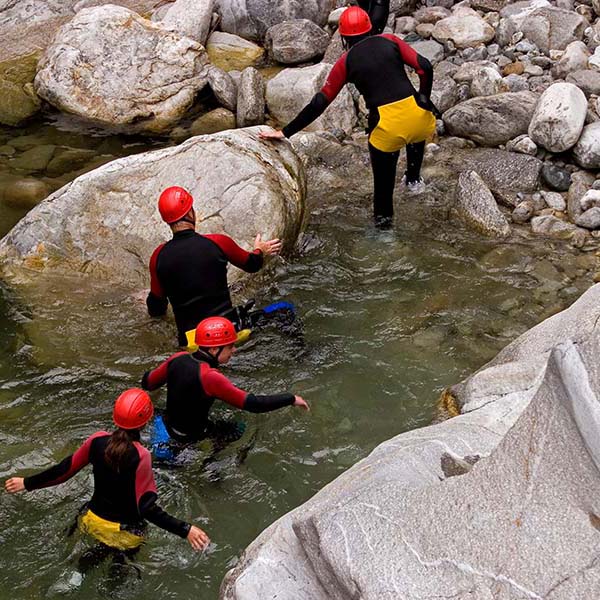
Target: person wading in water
point(124, 495)
point(190, 270)
point(398, 115)
point(194, 383)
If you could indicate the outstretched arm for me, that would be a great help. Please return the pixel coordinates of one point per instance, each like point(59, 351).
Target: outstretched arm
point(217, 385)
point(155, 378)
point(316, 107)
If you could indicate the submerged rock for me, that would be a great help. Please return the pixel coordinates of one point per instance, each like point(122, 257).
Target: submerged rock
point(434, 512)
point(477, 207)
point(159, 71)
point(216, 120)
point(229, 51)
point(104, 225)
point(18, 100)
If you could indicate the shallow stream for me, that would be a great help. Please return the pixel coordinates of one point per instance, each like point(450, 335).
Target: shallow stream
point(390, 319)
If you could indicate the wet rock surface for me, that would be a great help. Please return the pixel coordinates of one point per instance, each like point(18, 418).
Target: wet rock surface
point(104, 225)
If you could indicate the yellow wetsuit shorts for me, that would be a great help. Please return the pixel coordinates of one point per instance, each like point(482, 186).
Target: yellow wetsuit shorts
point(108, 532)
point(400, 123)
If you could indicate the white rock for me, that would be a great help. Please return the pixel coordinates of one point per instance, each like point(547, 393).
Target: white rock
point(574, 58)
point(296, 41)
point(464, 31)
point(594, 60)
point(590, 219)
point(552, 226)
point(522, 144)
point(104, 225)
point(559, 117)
point(587, 150)
point(555, 201)
point(159, 72)
point(334, 16)
point(289, 91)
point(430, 49)
point(590, 198)
point(191, 18)
point(487, 83)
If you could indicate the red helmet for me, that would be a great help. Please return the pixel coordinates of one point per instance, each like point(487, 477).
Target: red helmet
point(354, 21)
point(174, 203)
point(133, 409)
point(214, 332)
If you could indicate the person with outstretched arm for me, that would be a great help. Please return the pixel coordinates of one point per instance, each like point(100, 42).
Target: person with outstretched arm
point(190, 270)
point(125, 494)
point(194, 383)
point(398, 115)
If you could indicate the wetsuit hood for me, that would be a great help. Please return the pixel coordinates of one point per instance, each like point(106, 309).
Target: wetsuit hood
point(204, 356)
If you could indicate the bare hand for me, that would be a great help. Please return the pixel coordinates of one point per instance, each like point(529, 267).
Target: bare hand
point(268, 247)
point(197, 538)
point(14, 485)
point(299, 401)
point(271, 134)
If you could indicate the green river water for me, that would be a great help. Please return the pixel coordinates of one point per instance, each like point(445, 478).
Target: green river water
point(391, 318)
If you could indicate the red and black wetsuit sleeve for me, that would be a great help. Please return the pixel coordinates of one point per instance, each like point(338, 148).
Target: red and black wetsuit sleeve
point(419, 63)
point(146, 497)
point(156, 301)
point(251, 262)
point(321, 100)
point(216, 385)
point(155, 378)
point(65, 469)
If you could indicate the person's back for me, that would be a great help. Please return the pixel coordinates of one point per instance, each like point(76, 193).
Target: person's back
point(375, 66)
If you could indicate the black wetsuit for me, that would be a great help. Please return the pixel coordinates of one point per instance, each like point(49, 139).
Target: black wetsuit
point(190, 272)
point(127, 497)
point(379, 11)
point(375, 65)
point(193, 384)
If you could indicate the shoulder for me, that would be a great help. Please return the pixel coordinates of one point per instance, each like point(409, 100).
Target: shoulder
point(144, 454)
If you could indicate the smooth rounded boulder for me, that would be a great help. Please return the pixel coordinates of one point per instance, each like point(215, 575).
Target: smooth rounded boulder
point(492, 120)
point(464, 31)
point(289, 91)
point(297, 41)
point(251, 19)
point(103, 226)
point(159, 72)
point(559, 117)
point(587, 150)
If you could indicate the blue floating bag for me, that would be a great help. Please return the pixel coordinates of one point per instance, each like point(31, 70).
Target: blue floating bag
point(160, 440)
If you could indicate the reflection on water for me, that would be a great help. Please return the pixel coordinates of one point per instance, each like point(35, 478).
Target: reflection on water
point(390, 320)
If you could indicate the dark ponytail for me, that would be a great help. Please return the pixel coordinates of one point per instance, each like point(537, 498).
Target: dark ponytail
point(118, 445)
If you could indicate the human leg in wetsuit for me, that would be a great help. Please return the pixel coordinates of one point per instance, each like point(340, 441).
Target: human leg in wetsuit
point(414, 160)
point(383, 165)
point(379, 11)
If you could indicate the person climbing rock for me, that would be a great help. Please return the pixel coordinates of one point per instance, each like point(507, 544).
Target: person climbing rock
point(124, 495)
point(378, 11)
point(194, 383)
point(190, 270)
point(398, 115)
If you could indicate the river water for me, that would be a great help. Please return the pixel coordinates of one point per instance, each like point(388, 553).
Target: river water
point(390, 319)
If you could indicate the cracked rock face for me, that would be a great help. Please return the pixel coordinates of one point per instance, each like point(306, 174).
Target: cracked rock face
point(105, 224)
point(502, 501)
point(160, 72)
point(251, 18)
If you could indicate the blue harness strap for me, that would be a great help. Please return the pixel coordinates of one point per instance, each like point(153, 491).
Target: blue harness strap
point(279, 306)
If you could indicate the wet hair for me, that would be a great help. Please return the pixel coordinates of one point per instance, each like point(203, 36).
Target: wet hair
point(118, 445)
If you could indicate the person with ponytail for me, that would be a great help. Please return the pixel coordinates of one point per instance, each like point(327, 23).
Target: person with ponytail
point(124, 495)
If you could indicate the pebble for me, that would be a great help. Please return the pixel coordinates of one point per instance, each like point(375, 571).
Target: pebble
point(555, 177)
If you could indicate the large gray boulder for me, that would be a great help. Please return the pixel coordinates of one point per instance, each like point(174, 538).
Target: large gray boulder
point(492, 120)
point(104, 225)
point(559, 117)
point(296, 41)
point(464, 31)
point(549, 28)
point(575, 57)
point(160, 72)
point(289, 91)
point(587, 149)
point(477, 207)
point(191, 18)
point(251, 18)
point(587, 80)
point(472, 508)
